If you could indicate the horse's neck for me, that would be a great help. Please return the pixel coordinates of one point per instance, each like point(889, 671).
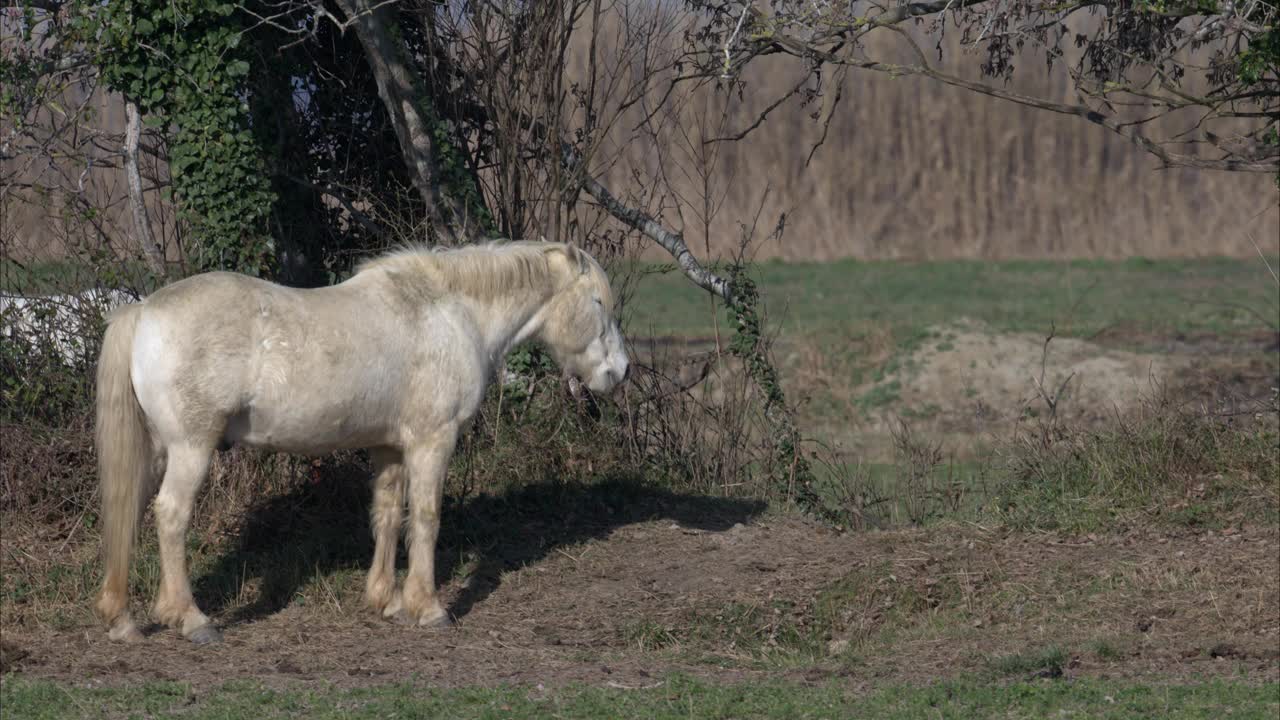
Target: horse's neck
point(506, 322)
point(502, 321)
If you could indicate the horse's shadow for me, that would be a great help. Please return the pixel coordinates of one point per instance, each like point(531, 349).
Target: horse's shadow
point(291, 540)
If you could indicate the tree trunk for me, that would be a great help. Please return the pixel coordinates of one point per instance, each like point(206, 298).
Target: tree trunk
point(151, 250)
point(402, 99)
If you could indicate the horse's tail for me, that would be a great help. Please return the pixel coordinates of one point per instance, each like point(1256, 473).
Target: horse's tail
point(124, 460)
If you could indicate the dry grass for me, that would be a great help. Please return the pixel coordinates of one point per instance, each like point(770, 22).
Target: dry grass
point(912, 169)
point(565, 579)
point(49, 565)
point(968, 600)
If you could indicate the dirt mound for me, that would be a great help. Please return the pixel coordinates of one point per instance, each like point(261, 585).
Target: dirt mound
point(965, 382)
point(968, 366)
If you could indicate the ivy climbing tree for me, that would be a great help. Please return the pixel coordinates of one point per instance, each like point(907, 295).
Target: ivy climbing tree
point(183, 64)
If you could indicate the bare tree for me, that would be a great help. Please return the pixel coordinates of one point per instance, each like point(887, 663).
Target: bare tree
point(498, 79)
point(151, 250)
point(64, 144)
point(1195, 84)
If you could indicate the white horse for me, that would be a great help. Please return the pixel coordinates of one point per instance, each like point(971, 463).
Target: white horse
point(396, 359)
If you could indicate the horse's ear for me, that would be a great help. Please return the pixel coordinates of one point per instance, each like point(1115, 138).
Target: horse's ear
point(576, 254)
point(576, 257)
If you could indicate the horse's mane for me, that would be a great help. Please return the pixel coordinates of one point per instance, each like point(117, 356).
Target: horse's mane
point(485, 271)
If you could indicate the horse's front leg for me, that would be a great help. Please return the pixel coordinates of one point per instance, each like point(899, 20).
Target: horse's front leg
point(386, 513)
point(427, 464)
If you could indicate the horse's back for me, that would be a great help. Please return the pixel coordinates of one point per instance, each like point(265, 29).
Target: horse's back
point(206, 325)
point(238, 359)
point(209, 292)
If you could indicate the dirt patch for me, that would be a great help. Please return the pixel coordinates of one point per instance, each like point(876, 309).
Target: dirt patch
point(873, 608)
point(968, 384)
point(1002, 377)
point(1009, 371)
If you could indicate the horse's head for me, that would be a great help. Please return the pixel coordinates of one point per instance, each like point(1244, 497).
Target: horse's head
point(579, 328)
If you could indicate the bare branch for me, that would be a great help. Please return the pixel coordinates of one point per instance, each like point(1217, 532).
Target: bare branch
point(793, 46)
point(669, 240)
point(396, 88)
point(336, 193)
point(1130, 55)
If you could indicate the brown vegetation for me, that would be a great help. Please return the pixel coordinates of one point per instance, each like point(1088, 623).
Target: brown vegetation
point(909, 169)
point(913, 169)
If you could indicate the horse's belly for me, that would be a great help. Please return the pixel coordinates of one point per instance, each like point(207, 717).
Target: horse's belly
point(301, 403)
point(305, 433)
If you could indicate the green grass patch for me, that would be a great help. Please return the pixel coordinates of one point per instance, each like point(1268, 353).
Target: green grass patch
point(1049, 662)
point(912, 490)
point(1081, 297)
point(647, 635)
point(881, 395)
point(1105, 649)
point(773, 634)
point(674, 697)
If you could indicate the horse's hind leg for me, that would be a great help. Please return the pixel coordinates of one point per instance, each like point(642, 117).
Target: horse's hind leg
point(186, 471)
point(385, 516)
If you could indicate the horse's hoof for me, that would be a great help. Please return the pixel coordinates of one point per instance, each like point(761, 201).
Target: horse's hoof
point(400, 617)
point(205, 635)
point(442, 622)
point(125, 632)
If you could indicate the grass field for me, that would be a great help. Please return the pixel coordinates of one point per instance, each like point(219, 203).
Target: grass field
point(953, 350)
point(833, 301)
point(1081, 297)
point(1115, 558)
point(676, 697)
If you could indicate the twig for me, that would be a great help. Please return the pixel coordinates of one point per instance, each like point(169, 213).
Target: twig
point(728, 58)
point(1264, 258)
point(620, 686)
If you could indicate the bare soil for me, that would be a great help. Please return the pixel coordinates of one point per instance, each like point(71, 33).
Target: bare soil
point(967, 385)
point(880, 607)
